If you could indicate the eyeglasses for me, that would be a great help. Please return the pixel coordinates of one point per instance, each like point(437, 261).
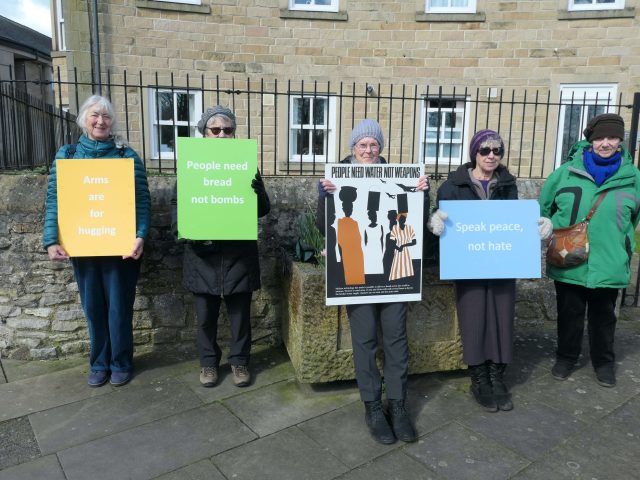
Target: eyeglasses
point(497, 151)
point(217, 130)
point(363, 146)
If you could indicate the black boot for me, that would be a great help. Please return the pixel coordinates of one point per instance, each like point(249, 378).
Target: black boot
point(500, 391)
point(377, 423)
point(400, 422)
point(481, 387)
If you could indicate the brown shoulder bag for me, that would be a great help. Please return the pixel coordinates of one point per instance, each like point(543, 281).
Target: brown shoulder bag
point(569, 246)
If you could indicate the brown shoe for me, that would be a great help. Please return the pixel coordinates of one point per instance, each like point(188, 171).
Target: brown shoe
point(208, 376)
point(241, 375)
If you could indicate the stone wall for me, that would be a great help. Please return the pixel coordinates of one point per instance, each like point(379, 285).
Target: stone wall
point(40, 313)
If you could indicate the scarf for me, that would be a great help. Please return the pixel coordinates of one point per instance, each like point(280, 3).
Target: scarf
point(601, 168)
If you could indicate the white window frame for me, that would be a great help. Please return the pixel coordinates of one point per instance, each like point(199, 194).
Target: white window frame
point(329, 128)
point(617, 5)
point(470, 8)
point(61, 38)
point(601, 96)
point(464, 112)
point(311, 6)
point(190, 2)
point(155, 123)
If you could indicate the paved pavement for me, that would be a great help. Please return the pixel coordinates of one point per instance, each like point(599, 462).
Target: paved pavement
point(165, 426)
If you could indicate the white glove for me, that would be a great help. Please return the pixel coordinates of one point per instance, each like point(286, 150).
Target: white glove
point(435, 224)
point(545, 228)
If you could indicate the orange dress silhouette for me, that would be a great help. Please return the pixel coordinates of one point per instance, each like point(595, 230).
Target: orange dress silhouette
point(350, 243)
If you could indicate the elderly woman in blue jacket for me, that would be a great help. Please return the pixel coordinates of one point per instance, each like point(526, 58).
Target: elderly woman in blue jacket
point(107, 285)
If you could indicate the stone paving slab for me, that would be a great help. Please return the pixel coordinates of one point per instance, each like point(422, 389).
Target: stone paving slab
point(345, 435)
point(457, 453)
point(158, 447)
point(599, 453)
point(43, 468)
point(40, 393)
point(286, 455)
point(284, 404)
point(433, 402)
point(17, 442)
point(530, 429)
point(394, 466)
point(202, 470)
point(580, 396)
point(268, 366)
point(21, 369)
point(124, 408)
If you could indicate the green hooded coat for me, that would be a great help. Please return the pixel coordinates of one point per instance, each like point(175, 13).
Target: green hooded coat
point(566, 198)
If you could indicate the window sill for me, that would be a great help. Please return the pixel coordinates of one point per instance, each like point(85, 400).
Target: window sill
point(173, 6)
point(628, 12)
point(304, 15)
point(59, 53)
point(450, 17)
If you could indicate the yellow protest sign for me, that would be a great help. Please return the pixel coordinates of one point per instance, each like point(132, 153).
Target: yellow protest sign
point(96, 206)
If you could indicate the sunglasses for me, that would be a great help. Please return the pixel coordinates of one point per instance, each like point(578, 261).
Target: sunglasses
point(484, 151)
point(217, 130)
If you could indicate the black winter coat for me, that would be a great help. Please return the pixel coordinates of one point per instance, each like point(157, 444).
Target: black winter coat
point(221, 267)
point(459, 186)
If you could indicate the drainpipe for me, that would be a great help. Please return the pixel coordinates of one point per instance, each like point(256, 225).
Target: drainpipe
point(94, 36)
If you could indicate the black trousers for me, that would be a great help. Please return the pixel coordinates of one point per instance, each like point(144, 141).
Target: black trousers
point(599, 303)
point(363, 321)
point(207, 313)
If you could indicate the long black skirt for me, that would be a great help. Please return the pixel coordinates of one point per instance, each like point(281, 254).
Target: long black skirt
point(486, 310)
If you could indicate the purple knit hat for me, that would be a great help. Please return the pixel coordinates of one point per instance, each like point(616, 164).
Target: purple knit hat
point(479, 138)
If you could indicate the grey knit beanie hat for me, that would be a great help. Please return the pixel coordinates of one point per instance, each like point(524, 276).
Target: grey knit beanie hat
point(366, 128)
point(212, 111)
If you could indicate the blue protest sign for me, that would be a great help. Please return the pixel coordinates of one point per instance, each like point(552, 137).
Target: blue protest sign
point(490, 239)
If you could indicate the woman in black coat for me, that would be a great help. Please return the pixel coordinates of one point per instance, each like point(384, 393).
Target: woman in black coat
point(229, 269)
point(486, 308)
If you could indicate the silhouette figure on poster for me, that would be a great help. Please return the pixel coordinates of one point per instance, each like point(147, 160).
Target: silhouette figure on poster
point(405, 237)
point(350, 240)
point(373, 237)
point(389, 243)
point(332, 242)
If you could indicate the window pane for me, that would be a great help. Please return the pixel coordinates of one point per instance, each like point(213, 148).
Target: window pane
point(571, 130)
point(323, 2)
point(318, 142)
point(301, 111)
point(439, 3)
point(165, 105)
point(166, 138)
point(451, 151)
point(318, 111)
point(183, 131)
point(431, 150)
point(301, 146)
point(459, 3)
point(182, 101)
point(434, 120)
point(606, 1)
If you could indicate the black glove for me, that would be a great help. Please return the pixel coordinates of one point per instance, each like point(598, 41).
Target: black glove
point(258, 185)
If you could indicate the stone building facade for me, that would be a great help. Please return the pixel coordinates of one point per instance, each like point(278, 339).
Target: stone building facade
point(462, 68)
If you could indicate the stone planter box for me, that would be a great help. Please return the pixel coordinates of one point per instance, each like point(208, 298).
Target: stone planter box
point(318, 339)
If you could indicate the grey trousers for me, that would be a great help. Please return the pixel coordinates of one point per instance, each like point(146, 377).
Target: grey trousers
point(363, 320)
point(486, 310)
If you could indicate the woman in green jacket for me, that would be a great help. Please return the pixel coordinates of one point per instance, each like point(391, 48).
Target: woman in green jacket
point(599, 164)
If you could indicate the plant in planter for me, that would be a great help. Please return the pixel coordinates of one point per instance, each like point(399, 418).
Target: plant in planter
point(310, 241)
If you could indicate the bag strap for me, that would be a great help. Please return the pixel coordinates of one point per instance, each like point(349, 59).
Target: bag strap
point(595, 206)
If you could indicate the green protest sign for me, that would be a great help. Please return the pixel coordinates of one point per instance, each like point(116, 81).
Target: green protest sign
point(215, 198)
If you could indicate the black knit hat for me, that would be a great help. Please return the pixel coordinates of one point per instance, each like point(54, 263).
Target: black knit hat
point(605, 125)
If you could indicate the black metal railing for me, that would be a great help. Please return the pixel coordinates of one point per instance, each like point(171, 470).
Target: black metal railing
point(299, 126)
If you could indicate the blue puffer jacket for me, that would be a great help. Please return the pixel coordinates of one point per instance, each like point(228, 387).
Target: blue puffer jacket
point(87, 148)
